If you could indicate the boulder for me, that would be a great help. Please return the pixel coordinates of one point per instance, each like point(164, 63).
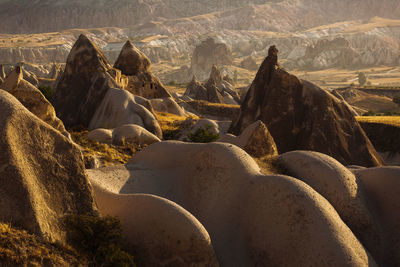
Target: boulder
point(382, 186)
point(302, 116)
point(119, 108)
point(32, 99)
point(167, 105)
point(136, 66)
point(255, 140)
point(207, 54)
point(101, 135)
point(223, 188)
point(132, 133)
point(83, 84)
point(41, 173)
point(160, 230)
point(341, 188)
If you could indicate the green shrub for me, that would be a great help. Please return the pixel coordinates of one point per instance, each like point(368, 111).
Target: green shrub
point(47, 91)
point(203, 135)
point(100, 239)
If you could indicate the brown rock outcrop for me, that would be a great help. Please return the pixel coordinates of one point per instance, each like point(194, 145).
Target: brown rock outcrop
point(136, 66)
point(32, 99)
point(196, 90)
point(2, 72)
point(249, 63)
point(302, 116)
point(41, 173)
point(207, 54)
point(255, 140)
point(87, 77)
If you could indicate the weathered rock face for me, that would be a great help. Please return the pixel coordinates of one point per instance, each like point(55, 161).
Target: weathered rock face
point(160, 230)
point(207, 54)
point(136, 66)
point(382, 186)
point(131, 61)
point(302, 116)
point(224, 88)
point(255, 140)
point(327, 53)
point(249, 63)
point(83, 84)
point(341, 188)
point(215, 90)
point(32, 99)
point(223, 188)
point(196, 90)
point(2, 73)
point(118, 108)
point(41, 173)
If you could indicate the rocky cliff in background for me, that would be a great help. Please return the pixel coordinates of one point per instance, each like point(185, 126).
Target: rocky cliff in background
point(24, 16)
point(323, 38)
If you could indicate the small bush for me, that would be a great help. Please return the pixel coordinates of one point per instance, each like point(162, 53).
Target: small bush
point(98, 238)
point(47, 91)
point(203, 135)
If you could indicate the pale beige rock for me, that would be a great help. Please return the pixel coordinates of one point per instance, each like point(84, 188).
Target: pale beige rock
point(252, 219)
point(167, 105)
point(340, 187)
point(131, 133)
point(119, 108)
point(162, 232)
point(101, 135)
point(255, 140)
point(41, 173)
point(32, 99)
point(382, 186)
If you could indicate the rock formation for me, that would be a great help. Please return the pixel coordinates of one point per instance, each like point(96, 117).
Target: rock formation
point(132, 133)
point(382, 187)
point(224, 88)
point(341, 188)
point(302, 116)
point(249, 63)
point(118, 108)
point(2, 72)
point(41, 173)
point(223, 188)
point(336, 53)
point(207, 54)
point(83, 84)
point(384, 137)
point(167, 105)
point(215, 90)
point(196, 90)
point(255, 140)
point(160, 230)
point(136, 66)
point(32, 99)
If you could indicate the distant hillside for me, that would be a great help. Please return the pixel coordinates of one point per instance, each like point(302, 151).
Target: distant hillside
point(26, 16)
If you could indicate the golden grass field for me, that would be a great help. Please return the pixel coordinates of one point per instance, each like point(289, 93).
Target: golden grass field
point(388, 120)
